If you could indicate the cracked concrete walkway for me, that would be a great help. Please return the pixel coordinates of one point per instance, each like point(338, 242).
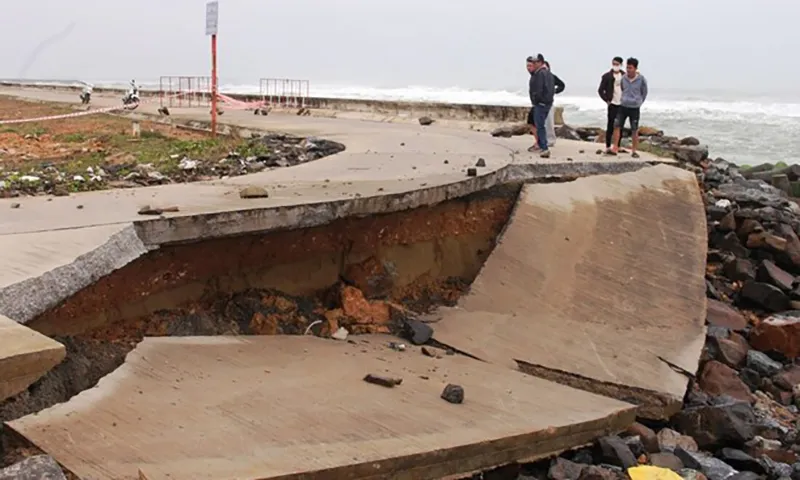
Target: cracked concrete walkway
point(51, 248)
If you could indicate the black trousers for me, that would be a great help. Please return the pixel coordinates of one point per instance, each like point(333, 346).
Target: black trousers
point(613, 112)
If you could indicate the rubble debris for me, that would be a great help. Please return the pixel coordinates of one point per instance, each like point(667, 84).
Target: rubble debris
point(253, 192)
point(472, 172)
point(425, 121)
point(38, 467)
point(480, 163)
point(453, 393)
point(148, 210)
point(388, 382)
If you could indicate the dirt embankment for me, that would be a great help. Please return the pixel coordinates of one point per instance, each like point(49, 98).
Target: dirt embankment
point(98, 152)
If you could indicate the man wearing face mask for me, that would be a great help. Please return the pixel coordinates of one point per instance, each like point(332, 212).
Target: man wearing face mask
point(610, 91)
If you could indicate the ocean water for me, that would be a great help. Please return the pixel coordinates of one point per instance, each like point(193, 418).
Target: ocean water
point(738, 127)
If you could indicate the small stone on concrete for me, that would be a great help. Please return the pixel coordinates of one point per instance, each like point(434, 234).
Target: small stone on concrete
point(148, 210)
point(418, 332)
point(15, 205)
point(481, 163)
point(453, 393)
point(253, 192)
point(425, 121)
point(387, 382)
point(472, 172)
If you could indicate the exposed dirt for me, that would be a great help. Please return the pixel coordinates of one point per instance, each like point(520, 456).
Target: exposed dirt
point(418, 249)
point(97, 152)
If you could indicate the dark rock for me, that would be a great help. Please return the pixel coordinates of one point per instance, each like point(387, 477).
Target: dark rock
point(646, 435)
point(39, 467)
point(425, 121)
point(15, 205)
point(666, 460)
point(740, 460)
point(751, 378)
point(563, 469)
point(419, 333)
point(635, 444)
point(728, 222)
point(594, 472)
point(480, 163)
point(728, 424)
point(616, 452)
point(689, 474)
point(567, 132)
point(472, 172)
point(796, 471)
point(690, 141)
point(584, 456)
point(388, 382)
point(719, 379)
point(788, 379)
point(746, 476)
point(762, 364)
point(776, 470)
point(721, 315)
point(766, 296)
point(713, 468)
point(511, 130)
point(739, 270)
point(770, 273)
point(731, 351)
point(669, 440)
point(453, 393)
point(694, 154)
point(792, 243)
point(731, 243)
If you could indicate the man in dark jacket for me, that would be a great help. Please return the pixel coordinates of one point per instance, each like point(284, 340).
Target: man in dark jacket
point(610, 91)
point(541, 88)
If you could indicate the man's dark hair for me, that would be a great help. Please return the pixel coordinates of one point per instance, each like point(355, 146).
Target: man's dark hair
point(617, 60)
point(634, 62)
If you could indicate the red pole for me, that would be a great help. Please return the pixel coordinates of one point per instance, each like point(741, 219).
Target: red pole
point(214, 85)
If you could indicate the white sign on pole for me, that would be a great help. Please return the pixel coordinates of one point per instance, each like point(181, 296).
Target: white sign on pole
point(212, 17)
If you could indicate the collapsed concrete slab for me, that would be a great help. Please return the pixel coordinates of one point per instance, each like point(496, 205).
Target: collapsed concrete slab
point(297, 407)
point(25, 356)
point(598, 284)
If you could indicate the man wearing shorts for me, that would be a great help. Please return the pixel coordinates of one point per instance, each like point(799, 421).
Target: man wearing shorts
point(634, 93)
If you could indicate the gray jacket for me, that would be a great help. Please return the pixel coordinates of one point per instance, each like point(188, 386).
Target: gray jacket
point(634, 91)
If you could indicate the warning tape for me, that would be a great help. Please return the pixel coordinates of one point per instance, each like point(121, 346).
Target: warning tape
point(234, 104)
point(81, 114)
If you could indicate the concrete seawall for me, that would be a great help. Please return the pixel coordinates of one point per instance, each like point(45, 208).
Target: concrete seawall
point(435, 110)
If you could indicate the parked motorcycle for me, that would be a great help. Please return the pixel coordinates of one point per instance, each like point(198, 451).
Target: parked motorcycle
point(132, 97)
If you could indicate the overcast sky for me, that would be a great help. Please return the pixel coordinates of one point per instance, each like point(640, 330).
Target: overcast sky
point(699, 44)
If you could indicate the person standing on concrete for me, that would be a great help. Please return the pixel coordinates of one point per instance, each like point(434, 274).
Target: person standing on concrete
point(634, 93)
point(541, 88)
point(550, 125)
point(610, 91)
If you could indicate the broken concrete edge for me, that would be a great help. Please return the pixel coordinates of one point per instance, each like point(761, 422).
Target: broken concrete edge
point(26, 300)
point(652, 405)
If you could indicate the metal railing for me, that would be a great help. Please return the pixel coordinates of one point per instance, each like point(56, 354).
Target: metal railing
point(284, 92)
point(185, 91)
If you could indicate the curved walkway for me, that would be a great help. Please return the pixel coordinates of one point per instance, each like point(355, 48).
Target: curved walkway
point(51, 248)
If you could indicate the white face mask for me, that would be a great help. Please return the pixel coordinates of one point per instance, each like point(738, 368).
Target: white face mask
point(616, 68)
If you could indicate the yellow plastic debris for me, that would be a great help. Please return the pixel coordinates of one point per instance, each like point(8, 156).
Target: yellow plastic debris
point(649, 472)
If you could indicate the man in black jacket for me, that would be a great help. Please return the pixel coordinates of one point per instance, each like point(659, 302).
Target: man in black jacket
point(541, 88)
point(610, 91)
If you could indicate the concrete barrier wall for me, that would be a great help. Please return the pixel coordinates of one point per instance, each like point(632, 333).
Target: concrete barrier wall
point(449, 111)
